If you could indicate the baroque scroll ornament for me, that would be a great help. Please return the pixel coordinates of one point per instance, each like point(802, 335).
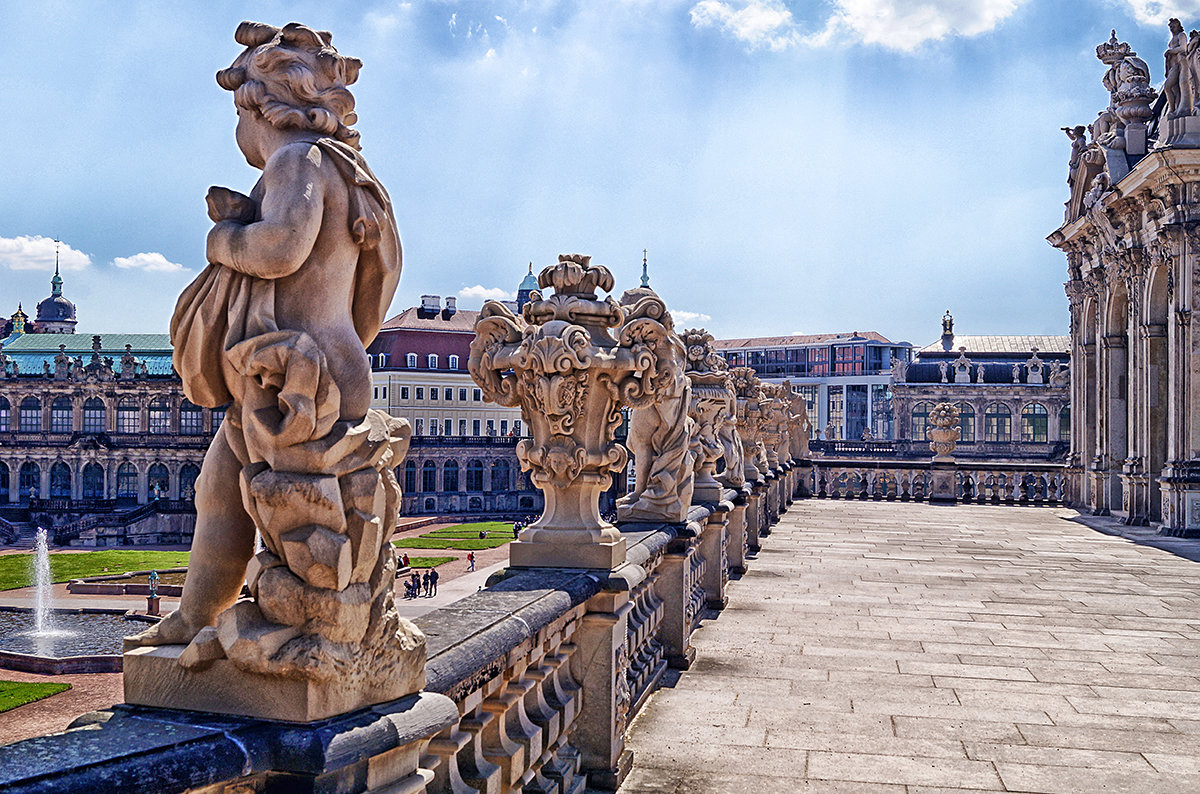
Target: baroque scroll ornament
point(571, 362)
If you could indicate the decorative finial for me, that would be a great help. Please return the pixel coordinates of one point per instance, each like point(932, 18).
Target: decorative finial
point(645, 273)
point(56, 282)
point(531, 267)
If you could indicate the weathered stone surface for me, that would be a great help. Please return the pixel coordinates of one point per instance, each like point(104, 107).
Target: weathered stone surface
point(319, 556)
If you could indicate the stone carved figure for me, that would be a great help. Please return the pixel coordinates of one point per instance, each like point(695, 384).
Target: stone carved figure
point(1177, 86)
point(62, 364)
point(661, 433)
point(129, 364)
point(561, 363)
point(800, 427)
point(748, 389)
point(962, 367)
point(979, 370)
point(1099, 187)
point(942, 367)
point(1079, 144)
point(713, 404)
point(1016, 373)
point(301, 272)
point(899, 370)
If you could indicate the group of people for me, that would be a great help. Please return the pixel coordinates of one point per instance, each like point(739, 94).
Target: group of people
point(421, 585)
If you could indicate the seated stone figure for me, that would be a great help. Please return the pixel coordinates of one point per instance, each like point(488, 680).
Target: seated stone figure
point(301, 272)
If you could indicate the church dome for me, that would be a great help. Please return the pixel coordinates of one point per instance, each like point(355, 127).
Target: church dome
point(55, 314)
point(530, 281)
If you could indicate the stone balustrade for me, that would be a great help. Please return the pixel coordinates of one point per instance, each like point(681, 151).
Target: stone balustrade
point(978, 483)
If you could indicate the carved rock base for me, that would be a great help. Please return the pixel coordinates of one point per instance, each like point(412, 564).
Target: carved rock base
point(154, 677)
point(550, 550)
point(943, 488)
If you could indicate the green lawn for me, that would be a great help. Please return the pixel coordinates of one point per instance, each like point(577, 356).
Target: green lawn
point(460, 544)
point(461, 537)
point(429, 562)
point(16, 569)
point(17, 693)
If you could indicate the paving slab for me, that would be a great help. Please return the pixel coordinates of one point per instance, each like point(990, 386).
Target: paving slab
point(918, 648)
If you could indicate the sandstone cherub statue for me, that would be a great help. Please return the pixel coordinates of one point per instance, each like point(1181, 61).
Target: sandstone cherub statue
point(301, 272)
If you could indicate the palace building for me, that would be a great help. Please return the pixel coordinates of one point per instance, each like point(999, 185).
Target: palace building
point(93, 426)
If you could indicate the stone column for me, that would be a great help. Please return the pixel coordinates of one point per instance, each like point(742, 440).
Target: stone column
point(713, 545)
point(600, 665)
point(674, 588)
point(735, 535)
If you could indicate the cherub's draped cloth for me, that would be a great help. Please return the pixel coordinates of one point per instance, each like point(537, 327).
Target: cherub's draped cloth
point(223, 307)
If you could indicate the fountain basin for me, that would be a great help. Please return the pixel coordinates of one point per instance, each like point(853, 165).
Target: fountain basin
point(81, 640)
point(120, 584)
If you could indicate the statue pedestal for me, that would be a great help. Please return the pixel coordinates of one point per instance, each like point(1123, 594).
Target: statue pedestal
point(545, 550)
point(154, 677)
point(943, 489)
point(1183, 132)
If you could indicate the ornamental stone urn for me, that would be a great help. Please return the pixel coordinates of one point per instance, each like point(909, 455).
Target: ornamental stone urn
point(944, 433)
point(571, 362)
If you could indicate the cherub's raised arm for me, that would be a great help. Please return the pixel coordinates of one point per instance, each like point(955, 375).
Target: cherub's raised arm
point(292, 206)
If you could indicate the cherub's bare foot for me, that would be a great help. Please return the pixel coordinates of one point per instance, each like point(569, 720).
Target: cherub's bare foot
point(171, 630)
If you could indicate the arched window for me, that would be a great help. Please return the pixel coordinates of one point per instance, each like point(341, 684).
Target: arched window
point(5, 496)
point(187, 481)
point(452, 362)
point(158, 482)
point(966, 423)
point(997, 423)
point(127, 481)
point(410, 476)
point(31, 415)
point(191, 419)
point(94, 415)
point(500, 478)
point(127, 417)
point(160, 417)
point(1064, 423)
point(93, 481)
point(60, 481)
point(1034, 423)
point(5, 415)
point(61, 416)
point(475, 475)
point(410, 360)
point(431, 360)
point(29, 481)
point(429, 476)
point(450, 476)
point(920, 421)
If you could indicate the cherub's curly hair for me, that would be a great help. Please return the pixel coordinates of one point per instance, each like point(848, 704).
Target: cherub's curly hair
point(295, 78)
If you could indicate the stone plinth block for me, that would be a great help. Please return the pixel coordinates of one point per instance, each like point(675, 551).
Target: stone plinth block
point(154, 677)
point(548, 550)
point(943, 489)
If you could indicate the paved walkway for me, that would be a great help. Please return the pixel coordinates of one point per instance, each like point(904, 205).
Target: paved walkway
point(878, 647)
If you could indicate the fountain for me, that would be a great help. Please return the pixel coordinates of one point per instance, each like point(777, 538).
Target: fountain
point(42, 618)
point(45, 640)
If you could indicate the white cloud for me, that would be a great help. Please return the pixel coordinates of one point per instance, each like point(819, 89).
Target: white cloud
point(758, 23)
point(151, 262)
point(893, 24)
point(1157, 12)
point(483, 293)
point(37, 253)
point(686, 318)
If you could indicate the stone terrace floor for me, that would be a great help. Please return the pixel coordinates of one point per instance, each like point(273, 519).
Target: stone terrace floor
point(878, 647)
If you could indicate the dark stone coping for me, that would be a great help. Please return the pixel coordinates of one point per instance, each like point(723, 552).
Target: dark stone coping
point(139, 749)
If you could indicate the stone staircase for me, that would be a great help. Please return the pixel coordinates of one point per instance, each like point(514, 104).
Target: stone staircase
point(26, 535)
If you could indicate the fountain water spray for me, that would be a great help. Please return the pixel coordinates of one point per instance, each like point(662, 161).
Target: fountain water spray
point(42, 582)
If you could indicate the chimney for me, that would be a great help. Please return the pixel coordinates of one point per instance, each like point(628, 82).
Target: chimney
point(430, 305)
point(450, 308)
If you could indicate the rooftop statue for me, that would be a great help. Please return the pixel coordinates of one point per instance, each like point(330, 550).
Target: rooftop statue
point(301, 272)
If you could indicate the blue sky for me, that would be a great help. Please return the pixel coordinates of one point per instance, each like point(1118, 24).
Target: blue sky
point(830, 165)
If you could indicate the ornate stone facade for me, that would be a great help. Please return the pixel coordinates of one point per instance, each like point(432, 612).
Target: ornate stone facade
point(1133, 280)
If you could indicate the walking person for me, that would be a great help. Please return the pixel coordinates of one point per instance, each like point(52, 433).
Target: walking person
point(433, 577)
point(470, 560)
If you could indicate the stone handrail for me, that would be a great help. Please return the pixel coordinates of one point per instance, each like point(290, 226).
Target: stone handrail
point(975, 482)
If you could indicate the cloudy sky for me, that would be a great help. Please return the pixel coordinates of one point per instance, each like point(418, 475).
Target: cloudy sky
point(801, 166)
